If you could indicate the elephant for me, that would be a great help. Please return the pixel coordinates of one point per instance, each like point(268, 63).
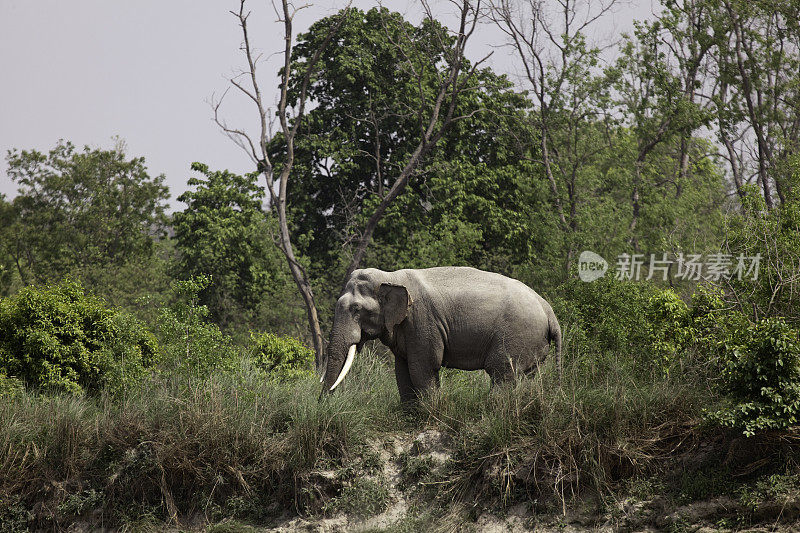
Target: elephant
point(454, 317)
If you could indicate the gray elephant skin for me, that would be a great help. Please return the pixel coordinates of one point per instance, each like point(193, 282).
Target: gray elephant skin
point(455, 317)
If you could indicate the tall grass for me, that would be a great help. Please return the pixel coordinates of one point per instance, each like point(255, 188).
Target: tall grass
point(177, 446)
point(544, 437)
point(238, 442)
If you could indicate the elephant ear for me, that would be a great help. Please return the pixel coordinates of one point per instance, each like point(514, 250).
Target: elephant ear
point(395, 302)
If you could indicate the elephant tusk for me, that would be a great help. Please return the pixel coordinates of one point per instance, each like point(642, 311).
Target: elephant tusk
point(323, 368)
point(351, 354)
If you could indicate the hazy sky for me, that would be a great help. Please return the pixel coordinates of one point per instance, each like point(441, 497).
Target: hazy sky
point(90, 70)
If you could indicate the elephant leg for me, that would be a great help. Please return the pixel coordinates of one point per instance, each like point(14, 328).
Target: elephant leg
point(424, 370)
point(501, 366)
point(422, 364)
point(417, 366)
point(425, 380)
point(404, 384)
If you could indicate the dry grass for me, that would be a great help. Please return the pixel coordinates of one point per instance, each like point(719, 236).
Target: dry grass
point(550, 441)
point(240, 445)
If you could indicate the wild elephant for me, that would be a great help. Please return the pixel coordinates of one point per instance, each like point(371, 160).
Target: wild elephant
point(455, 317)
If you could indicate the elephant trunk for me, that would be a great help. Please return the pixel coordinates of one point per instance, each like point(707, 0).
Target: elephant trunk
point(346, 334)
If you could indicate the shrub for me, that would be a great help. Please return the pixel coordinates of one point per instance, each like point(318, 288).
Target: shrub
point(284, 358)
point(60, 337)
point(362, 498)
point(762, 378)
point(703, 327)
point(772, 234)
point(669, 326)
point(612, 312)
point(712, 322)
point(192, 344)
point(14, 517)
point(10, 387)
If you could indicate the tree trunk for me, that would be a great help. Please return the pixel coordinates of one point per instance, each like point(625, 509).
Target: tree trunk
point(755, 119)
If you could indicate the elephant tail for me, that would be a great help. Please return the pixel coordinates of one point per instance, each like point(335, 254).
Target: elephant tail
point(554, 335)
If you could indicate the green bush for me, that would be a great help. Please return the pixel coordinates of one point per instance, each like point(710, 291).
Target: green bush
point(59, 337)
point(712, 322)
point(362, 498)
point(14, 517)
point(669, 326)
point(284, 358)
point(702, 328)
point(772, 234)
point(10, 387)
point(612, 312)
point(761, 378)
point(192, 344)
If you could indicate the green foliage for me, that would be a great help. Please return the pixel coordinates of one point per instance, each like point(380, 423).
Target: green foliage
point(414, 469)
point(462, 208)
point(772, 234)
point(8, 267)
point(713, 321)
point(676, 328)
point(702, 484)
point(283, 358)
point(225, 234)
point(362, 497)
point(80, 211)
point(79, 503)
point(9, 386)
point(669, 326)
point(14, 517)
point(462, 213)
point(640, 324)
point(613, 313)
point(62, 338)
point(779, 487)
point(761, 377)
point(192, 345)
point(231, 526)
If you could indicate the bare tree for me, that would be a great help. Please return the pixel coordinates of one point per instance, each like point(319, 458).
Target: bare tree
point(290, 121)
point(738, 60)
point(758, 54)
point(558, 67)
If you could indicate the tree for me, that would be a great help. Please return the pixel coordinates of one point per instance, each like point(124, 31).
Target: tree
point(656, 104)
point(464, 213)
point(223, 233)
point(437, 110)
point(572, 96)
point(82, 211)
point(434, 114)
point(758, 57)
point(363, 128)
point(257, 148)
point(738, 61)
point(619, 141)
point(7, 265)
